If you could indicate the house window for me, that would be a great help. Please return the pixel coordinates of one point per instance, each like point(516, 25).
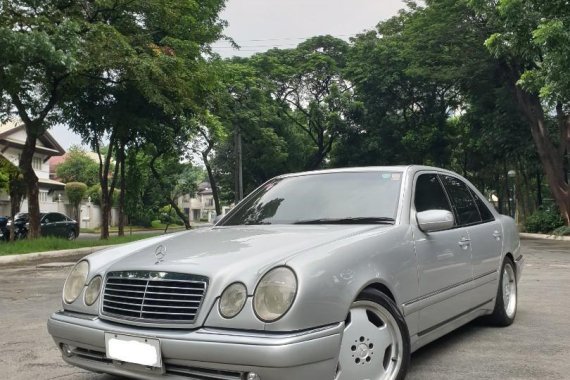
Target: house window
point(37, 163)
point(210, 202)
point(43, 197)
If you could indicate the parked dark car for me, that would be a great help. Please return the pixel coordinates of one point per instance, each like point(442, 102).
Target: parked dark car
point(3, 228)
point(52, 224)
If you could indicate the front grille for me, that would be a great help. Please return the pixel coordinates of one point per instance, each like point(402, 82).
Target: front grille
point(86, 354)
point(203, 374)
point(153, 297)
point(192, 373)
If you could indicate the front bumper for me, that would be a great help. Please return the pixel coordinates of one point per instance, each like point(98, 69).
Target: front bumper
point(204, 353)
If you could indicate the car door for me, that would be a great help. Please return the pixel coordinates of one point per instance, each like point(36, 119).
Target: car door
point(485, 238)
point(487, 246)
point(59, 224)
point(47, 225)
point(444, 260)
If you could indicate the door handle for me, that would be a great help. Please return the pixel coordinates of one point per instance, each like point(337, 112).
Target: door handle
point(464, 242)
point(497, 235)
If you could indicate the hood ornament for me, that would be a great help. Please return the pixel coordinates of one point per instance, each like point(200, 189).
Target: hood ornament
point(160, 254)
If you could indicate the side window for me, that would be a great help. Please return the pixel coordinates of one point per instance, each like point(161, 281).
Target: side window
point(463, 202)
point(486, 214)
point(56, 218)
point(429, 194)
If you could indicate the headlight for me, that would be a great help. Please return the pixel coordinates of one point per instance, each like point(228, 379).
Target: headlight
point(232, 300)
point(75, 281)
point(93, 290)
point(275, 294)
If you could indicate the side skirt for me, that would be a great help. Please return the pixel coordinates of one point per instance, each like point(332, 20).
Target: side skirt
point(427, 336)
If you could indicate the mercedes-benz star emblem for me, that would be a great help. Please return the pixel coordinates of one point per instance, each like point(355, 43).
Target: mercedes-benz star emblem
point(160, 254)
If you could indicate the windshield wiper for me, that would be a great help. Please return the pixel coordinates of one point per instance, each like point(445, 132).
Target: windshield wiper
point(355, 220)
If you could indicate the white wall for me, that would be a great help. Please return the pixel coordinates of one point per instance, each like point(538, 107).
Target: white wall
point(90, 216)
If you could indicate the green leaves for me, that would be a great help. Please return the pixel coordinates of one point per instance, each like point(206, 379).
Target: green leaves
point(78, 167)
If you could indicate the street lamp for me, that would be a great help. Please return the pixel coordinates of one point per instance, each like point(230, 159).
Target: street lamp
point(512, 174)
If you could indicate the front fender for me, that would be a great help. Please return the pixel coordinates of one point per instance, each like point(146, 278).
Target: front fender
point(331, 277)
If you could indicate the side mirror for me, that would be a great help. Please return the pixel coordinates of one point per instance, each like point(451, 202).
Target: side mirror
point(435, 220)
point(218, 218)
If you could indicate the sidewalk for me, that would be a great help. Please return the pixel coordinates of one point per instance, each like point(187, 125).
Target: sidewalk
point(27, 258)
point(525, 235)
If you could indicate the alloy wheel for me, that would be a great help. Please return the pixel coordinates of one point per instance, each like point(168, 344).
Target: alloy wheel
point(372, 346)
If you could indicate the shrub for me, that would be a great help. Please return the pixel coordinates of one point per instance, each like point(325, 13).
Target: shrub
point(94, 192)
point(562, 231)
point(75, 192)
point(168, 215)
point(544, 221)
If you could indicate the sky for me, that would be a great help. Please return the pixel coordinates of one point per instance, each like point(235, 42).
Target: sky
point(259, 25)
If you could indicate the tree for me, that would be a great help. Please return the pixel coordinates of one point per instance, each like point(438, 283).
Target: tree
point(14, 185)
point(41, 50)
point(142, 75)
point(243, 107)
point(78, 167)
point(210, 131)
point(314, 94)
point(405, 109)
point(75, 192)
point(531, 40)
point(4, 180)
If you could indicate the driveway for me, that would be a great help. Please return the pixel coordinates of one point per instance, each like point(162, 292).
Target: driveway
point(536, 346)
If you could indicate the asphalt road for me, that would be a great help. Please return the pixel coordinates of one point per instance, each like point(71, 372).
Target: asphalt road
point(537, 346)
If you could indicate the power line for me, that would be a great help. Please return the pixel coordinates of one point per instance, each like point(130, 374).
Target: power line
point(247, 48)
point(253, 46)
point(294, 38)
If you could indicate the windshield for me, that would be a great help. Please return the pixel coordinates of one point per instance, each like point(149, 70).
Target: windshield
point(329, 198)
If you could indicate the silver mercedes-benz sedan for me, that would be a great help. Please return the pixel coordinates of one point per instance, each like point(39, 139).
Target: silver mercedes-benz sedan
point(334, 275)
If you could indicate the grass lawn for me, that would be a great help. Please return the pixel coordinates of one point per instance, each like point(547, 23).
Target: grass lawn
point(55, 244)
point(156, 225)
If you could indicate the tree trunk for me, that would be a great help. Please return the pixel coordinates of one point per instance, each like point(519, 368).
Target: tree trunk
point(499, 195)
point(121, 157)
point(32, 187)
point(170, 201)
point(15, 203)
point(551, 157)
point(538, 189)
point(105, 209)
point(213, 183)
point(107, 188)
point(183, 217)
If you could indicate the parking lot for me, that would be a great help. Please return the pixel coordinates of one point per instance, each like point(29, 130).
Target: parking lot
point(537, 346)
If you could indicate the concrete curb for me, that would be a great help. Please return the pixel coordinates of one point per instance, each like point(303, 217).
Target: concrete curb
point(39, 256)
point(525, 235)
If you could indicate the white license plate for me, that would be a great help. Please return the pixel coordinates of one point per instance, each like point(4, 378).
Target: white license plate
point(133, 349)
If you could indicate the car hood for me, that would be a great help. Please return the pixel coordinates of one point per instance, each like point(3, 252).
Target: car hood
point(213, 251)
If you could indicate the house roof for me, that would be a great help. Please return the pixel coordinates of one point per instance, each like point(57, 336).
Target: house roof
point(51, 183)
point(205, 188)
point(8, 137)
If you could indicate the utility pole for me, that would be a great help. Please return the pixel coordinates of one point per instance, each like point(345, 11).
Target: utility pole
point(239, 166)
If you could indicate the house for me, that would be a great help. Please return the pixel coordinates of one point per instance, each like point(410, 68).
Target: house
point(200, 206)
point(12, 140)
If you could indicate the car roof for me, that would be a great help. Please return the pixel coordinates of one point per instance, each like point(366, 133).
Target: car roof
point(398, 168)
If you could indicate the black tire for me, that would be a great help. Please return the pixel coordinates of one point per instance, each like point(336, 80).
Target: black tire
point(71, 235)
point(386, 302)
point(500, 317)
